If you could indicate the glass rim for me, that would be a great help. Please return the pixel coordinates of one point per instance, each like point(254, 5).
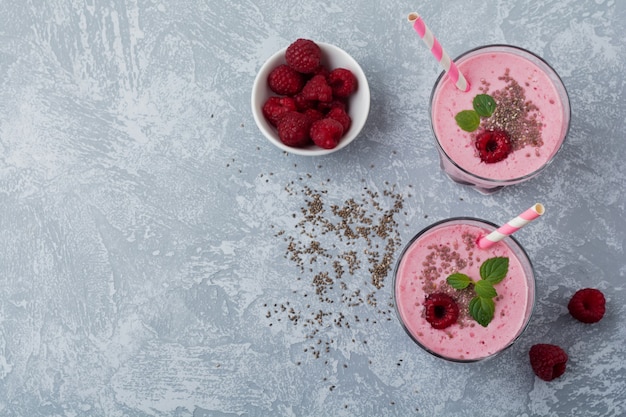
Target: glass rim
point(503, 182)
point(482, 222)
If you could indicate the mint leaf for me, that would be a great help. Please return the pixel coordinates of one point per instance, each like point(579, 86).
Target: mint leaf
point(484, 105)
point(458, 281)
point(482, 310)
point(482, 307)
point(467, 120)
point(494, 269)
point(485, 289)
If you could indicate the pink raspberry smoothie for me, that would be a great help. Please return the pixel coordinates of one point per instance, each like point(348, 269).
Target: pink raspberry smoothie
point(532, 107)
point(449, 247)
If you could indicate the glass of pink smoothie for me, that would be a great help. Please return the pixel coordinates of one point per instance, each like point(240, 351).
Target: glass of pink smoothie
point(449, 247)
point(531, 106)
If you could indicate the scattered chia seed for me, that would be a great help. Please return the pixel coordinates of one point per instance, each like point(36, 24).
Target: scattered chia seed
point(346, 251)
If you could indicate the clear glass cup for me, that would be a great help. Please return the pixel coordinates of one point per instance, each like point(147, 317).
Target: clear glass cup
point(487, 184)
point(466, 340)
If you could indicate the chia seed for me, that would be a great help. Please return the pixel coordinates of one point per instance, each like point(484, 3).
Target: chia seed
point(514, 114)
point(346, 252)
point(450, 262)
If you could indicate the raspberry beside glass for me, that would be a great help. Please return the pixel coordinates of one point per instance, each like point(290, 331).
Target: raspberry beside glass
point(527, 128)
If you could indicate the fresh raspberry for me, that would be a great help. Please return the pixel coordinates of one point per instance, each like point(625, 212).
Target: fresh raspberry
point(303, 55)
point(302, 103)
point(293, 129)
point(322, 70)
point(440, 310)
point(548, 361)
point(314, 114)
point(343, 82)
point(285, 80)
point(341, 116)
point(587, 305)
point(326, 133)
point(325, 107)
point(275, 107)
point(317, 89)
point(493, 146)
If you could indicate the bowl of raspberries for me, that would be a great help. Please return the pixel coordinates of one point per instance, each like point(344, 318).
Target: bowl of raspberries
point(310, 98)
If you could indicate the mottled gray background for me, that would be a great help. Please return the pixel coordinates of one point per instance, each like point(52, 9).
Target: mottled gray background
point(145, 220)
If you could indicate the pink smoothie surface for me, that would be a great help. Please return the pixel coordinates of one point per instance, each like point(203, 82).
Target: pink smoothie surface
point(423, 270)
point(538, 88)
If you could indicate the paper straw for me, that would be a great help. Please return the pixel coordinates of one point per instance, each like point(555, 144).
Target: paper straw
point(511, 227)
point(438, 52)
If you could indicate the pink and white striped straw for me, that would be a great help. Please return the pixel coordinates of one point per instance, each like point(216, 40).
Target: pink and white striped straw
point(511, 226)
point(438, 52)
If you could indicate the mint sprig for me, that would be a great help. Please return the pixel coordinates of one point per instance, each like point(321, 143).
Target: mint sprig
point(494, 269)
point(459, 281)
point(482, 310)
point(482, 307)
point(484, 289)
point(467, 120)
point(483, 106)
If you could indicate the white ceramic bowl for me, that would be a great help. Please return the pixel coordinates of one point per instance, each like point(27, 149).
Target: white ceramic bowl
point(358, 103)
